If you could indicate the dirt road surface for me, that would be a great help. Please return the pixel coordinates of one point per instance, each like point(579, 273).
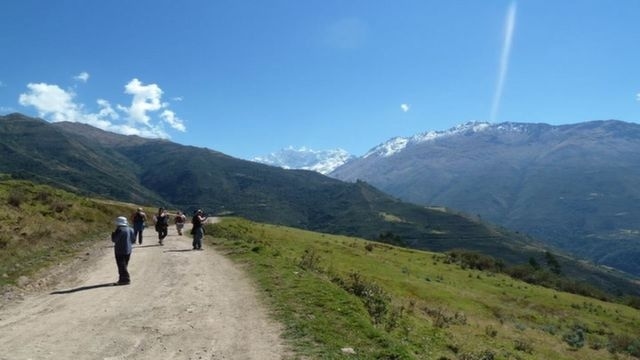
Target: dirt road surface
point(181, 304)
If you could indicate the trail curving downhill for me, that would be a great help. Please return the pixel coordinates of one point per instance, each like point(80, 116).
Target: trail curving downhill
point(181, 304)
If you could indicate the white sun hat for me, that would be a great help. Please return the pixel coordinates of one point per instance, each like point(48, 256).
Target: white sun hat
point(121, 221)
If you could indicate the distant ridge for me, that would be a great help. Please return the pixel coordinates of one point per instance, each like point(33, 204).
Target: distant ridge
point(322, 161)
point(572, 186)
point(162, 173)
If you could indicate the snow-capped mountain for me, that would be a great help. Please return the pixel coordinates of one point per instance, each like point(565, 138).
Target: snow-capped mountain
point(574, 186)
point(322, 161)
point(398, 144)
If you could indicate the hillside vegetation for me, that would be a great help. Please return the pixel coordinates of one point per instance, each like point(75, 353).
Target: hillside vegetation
point(341, 295)
point(41, 226)
point(574, 187)
point(96, 163)
point(337, 295)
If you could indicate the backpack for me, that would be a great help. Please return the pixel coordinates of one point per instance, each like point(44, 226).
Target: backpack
point(138, 218)
point(161, 220)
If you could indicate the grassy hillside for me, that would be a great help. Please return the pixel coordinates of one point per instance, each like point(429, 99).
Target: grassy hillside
point(90, 161)
point(35, 150)
point(41, 226)
point(338, 295)
point(336, 292)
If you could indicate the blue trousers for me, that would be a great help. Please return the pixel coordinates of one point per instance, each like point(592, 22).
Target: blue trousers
point(198, 234)
point(123, 262)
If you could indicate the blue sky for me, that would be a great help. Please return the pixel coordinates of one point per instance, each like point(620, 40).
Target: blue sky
point(251, 77)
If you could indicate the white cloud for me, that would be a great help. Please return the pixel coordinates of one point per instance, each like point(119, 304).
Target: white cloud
point(638, 96)
point(56, 104)
point(170, 118)
point(82, 77)
point(145, 98)
point(177, 98)
point(106, 110)
point(1, 83)
point(51, 102)
point(405, 107)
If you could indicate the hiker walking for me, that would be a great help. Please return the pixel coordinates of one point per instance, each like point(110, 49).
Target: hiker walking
point(139, 220)
point(180, 220)
point(198, 231)
point(122, 238)
point(162, 224)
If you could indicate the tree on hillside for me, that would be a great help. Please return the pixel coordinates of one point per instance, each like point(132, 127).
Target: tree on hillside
point(552, 263)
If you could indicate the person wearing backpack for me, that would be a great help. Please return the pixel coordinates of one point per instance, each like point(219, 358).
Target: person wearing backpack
point(198, 230)
point(180, 220)
point(123, 238)
point(139, 220)
point(162, 225)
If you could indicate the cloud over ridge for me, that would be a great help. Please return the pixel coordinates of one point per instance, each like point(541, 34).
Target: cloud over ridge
point(145, 116)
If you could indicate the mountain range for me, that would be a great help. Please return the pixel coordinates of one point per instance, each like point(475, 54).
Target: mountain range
point(154, 172)
point(322, 161)
point(574, 187)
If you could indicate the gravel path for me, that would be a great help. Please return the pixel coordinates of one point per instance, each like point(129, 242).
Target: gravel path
point(181, 304)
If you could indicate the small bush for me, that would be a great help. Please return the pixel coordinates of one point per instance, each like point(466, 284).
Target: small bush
point(472, 260)
point(523, 345)
point(624, 343)
point(550, 328)
point(441, 319)
point(16, 198)
point(310, 260)
point(490, 331)
point(375, 299)
point(574, 337)
point(482, 355)
point(393, 320)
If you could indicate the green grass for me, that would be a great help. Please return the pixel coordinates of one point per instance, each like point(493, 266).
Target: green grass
point(386, 302)
point(41, 226)
point(334, 292)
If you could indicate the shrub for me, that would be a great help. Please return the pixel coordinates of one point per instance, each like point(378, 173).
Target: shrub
point(482, 355)
point(16, 198)
point(375, 299)
point(574, 337)
point(490, 331)
point(310, 260)
point(441, 319)
point(472, 260)
point(523, 345)
point(624, 343)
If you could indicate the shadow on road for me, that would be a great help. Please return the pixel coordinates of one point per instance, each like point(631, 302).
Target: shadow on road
point(82, 288)
point(182, 250)
point(145, 246)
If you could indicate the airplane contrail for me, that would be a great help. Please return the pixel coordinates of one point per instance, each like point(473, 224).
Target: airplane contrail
point(510, 24)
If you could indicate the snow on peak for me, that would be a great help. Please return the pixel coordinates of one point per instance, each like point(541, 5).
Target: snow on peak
point(388, 148)
point(398, 144)
point(322, 161)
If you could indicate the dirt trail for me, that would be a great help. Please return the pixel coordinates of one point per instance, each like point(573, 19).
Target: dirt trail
point(181, 304)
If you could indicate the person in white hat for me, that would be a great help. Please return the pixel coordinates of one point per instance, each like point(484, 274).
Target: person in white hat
point(123, 238)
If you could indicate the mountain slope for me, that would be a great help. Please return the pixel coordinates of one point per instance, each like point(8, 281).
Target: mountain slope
point(187, 178)
point(573, 186)
point(34, 149)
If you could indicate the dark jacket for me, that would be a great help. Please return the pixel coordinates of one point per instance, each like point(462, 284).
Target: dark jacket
point(197, 221)
point(122, 239)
